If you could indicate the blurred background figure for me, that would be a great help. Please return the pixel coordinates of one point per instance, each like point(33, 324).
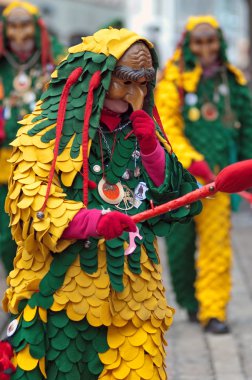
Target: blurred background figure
point(206, 109)
point(27, 58)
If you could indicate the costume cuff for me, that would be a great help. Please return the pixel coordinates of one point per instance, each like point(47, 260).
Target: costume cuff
point(83, 225)
point(154, 164)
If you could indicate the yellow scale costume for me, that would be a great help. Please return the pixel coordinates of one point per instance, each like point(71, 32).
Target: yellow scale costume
point(83, 312)
point(194, 138)
point(15, 101)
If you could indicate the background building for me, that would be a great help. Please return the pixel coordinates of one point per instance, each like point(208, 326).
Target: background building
point(161, 21)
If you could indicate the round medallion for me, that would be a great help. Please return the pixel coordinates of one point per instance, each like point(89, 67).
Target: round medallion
point(29, 97)
point(22, 82)
point(223, 89)
point(127, 203)
point(209, 111)
point(191, 98)
point(97, 168)
point(194, 114)
point(12, 327)
point(111, 193)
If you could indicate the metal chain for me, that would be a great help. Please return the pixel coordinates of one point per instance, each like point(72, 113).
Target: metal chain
point(117, 129)
point(22, 66)
point(106, 142)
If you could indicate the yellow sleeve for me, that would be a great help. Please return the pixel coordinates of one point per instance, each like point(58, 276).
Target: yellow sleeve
point(31, 162)
point(168, 105)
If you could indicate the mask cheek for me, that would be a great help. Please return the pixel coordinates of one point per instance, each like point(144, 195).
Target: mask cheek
point(116, 91)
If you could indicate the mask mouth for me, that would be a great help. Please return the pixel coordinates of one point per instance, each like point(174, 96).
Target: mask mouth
point(26, 46)
point(116, 105)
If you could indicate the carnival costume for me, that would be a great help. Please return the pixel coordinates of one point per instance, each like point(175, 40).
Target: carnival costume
point(80, 307)
point(208, 116)
point(22, 78)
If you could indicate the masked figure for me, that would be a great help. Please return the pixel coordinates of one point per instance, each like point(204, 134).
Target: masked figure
point(205, 106)
point(89, 157)
point(27, 58)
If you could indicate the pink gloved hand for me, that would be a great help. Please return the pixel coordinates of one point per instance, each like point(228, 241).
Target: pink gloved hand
point(113, 224)
point(144, 129)
point(201, 169)
point(6, 366)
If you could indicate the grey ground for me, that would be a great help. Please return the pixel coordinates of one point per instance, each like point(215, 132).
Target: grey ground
point(193, 354)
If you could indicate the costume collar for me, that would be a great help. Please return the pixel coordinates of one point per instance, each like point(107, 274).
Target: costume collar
point(110, 119)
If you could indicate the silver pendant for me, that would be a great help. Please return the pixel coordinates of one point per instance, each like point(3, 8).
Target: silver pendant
point(136, 154)
point(191, 98)
point(137, 172)
point(127, 174)
point(223, 89)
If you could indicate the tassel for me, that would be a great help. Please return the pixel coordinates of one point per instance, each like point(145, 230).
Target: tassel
point(46, 54)
point(93, 84)
point(59, 126)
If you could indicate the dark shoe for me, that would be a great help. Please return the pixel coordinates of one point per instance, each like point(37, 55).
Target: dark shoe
point(215, 326)
point(192, 316)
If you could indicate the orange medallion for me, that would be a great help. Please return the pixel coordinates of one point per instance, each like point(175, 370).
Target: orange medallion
point(110, 193)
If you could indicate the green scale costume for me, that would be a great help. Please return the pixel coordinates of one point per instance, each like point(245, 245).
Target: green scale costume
point(83, 309)
point(21, 85)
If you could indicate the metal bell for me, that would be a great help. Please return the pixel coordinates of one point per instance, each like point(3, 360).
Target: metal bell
point(40, 215)
point(87, 244)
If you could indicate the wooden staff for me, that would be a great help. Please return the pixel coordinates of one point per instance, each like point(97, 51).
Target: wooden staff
point(234, 178)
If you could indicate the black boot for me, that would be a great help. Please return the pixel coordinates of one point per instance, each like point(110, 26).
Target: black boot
point(192, 316)
point(215, 326)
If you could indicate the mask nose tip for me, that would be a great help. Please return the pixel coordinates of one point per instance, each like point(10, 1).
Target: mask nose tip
point(136, 101)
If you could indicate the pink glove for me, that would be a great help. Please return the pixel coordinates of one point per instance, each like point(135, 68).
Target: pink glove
point(201, 169)
point(113, 224)
point(144, 129)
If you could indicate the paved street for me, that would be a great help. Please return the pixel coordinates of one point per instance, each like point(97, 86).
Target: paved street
point(194, 355)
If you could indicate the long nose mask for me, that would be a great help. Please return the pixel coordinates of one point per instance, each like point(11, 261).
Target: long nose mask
point(135, 96)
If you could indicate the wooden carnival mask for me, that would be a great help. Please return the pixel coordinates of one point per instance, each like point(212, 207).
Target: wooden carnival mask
point(205, 44)
point(20, 31)
point(129, 83)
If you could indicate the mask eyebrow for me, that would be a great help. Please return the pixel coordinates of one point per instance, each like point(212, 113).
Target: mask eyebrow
point(127, 73)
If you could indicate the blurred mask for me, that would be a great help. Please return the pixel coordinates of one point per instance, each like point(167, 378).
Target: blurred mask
point(20, 31)
point(205, 44)
point(129, 83)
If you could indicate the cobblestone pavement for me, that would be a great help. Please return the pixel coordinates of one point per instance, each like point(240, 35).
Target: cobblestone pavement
point(194, 355)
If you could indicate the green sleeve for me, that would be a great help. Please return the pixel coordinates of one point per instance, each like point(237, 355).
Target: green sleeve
point(245, 118)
